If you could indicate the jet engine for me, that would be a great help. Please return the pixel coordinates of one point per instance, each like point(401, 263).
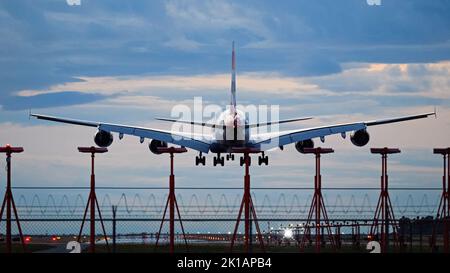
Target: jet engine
point(103, 138)
point(360, 138)
point(301, 145)
point(155, 144)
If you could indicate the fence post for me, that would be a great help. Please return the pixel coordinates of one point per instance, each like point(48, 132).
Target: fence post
point(114, 210)
point(420, 234)
point(411, 234)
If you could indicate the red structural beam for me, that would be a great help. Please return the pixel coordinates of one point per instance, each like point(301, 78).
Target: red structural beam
point(9, 149)
point(92, 200)
point(317, 212)
point(8, 201)
point(443, 212)
point(385, 150)
point(384, 213)
point(442, 151)
point(247, 205)
point(92, 149)
point(171, 199)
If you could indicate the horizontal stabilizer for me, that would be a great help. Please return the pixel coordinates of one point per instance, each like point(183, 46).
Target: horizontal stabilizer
point(277, 122)
point(205, 124)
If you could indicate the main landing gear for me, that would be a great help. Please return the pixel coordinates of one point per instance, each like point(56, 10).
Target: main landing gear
point(242, 161)
point(230, 156)
point(219, 160)
point(200, 159)
point(262, 159)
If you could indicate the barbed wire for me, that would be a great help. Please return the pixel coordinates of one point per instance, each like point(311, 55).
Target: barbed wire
point(223, 204)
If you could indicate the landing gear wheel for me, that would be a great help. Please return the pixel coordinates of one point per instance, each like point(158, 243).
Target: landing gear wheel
point(200, 160)
point(219, 160)
point(263, 160)
point(242, 161)
point(230, 156)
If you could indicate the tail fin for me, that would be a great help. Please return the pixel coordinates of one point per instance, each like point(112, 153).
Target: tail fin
point(233, 82)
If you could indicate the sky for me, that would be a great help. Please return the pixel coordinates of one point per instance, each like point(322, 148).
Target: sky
point(131, 61)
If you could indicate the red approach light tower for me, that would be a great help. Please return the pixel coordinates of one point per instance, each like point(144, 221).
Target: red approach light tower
point(443, 213)
point(317, 204)
point(247, 205)
point(9, 200)
point(171, 200)
point(92, 201)
point(384, 213)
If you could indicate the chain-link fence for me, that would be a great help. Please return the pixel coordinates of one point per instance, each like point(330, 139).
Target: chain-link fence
point(209, 215)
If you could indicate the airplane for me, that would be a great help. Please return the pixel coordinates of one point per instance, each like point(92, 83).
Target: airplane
point(236, 123)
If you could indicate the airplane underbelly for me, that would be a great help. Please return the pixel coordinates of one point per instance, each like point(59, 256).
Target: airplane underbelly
point(231, 135)
point(226, 146)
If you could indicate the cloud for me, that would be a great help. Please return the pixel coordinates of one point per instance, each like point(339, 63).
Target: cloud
point(14, 103)
point(48, 42)
point(183, 43)
point(429, 80)
point(211, 16)
point(365, 83)
point(251, 82)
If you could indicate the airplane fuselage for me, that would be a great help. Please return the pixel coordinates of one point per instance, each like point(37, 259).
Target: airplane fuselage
point(230, 131)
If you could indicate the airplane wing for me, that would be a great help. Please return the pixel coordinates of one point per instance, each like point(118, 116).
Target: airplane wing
point(197, 142)
point(271, 140)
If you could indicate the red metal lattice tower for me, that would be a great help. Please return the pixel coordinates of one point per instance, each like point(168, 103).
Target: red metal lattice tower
point(384, 213)
point(9, 199)
point(443, 212)
point(247, 206)
point(171, 200)
point(317, 205)
point(92, 201)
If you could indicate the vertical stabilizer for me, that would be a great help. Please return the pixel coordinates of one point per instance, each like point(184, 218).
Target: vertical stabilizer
point(233, 82)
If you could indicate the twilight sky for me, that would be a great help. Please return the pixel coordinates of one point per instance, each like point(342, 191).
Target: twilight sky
point(130, 61)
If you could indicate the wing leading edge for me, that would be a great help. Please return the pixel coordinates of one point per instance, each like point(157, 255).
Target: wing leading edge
point(197, 142)
point(271, 140)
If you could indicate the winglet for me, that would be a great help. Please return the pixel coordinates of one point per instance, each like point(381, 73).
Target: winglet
point(435, 112)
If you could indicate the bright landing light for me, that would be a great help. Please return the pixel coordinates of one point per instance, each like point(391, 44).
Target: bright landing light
point(288, 233)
